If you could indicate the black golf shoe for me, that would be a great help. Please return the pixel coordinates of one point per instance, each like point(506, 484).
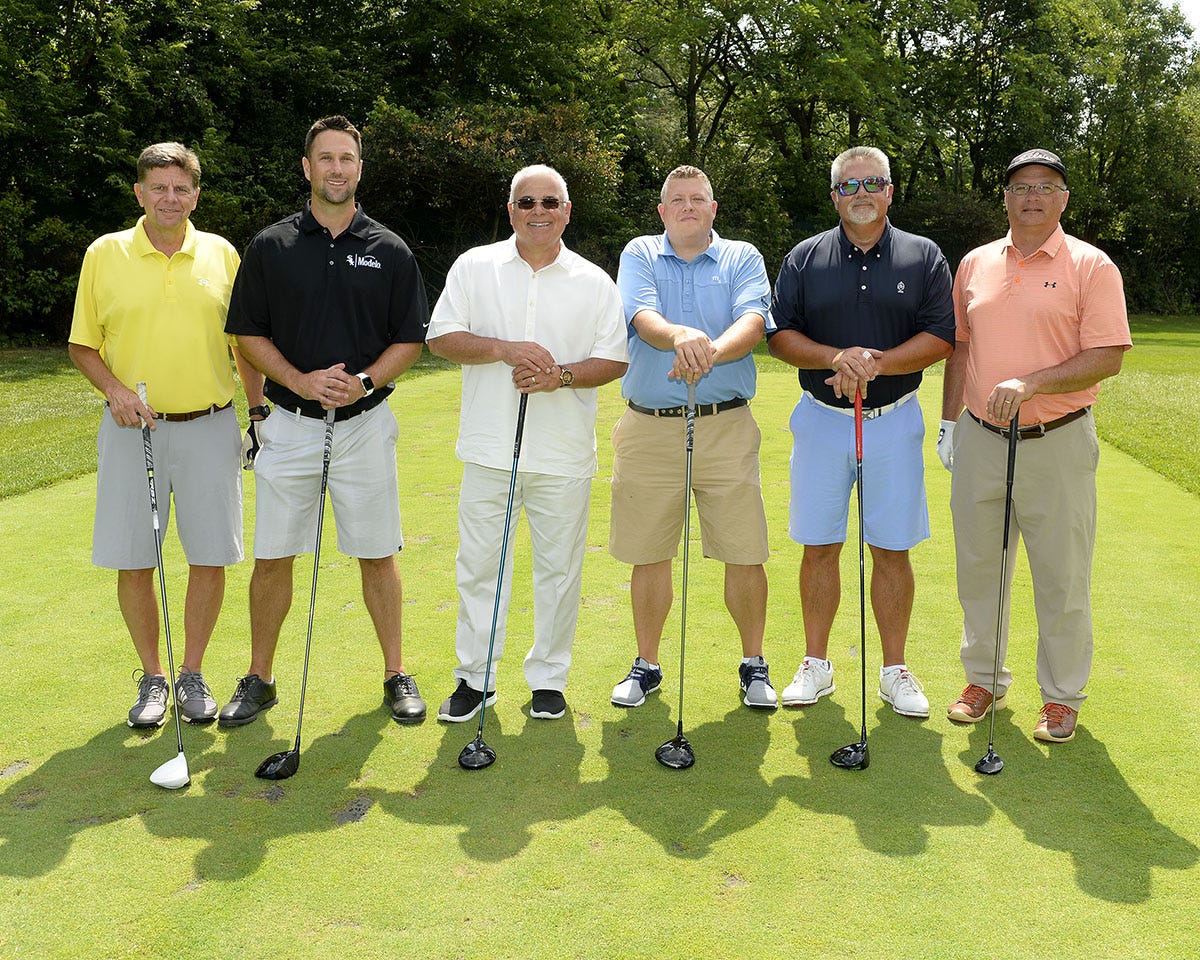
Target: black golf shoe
point(151, 707)
point(548, 705)
point(401, 696)
point(463, 703)
point(253, 695)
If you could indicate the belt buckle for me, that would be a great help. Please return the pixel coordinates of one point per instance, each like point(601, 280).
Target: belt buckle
point(1031, 432)
point(870, 413)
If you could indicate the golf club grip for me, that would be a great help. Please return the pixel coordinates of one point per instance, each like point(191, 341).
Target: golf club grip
point(691, 419)
point(1013, 436)
point(520, 425)
point(858, 418)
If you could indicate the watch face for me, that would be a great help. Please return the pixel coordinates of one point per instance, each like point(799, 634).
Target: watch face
point(367, 382)
point(567, 377)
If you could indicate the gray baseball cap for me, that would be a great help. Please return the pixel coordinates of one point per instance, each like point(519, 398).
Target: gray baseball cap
point(1039, 156)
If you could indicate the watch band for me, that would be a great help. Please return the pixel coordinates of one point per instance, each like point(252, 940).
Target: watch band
point(260, 411)
point(367, 382)
point(565, 376)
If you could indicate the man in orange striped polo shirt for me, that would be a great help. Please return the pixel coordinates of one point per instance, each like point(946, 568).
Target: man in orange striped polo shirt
point(1040, 321)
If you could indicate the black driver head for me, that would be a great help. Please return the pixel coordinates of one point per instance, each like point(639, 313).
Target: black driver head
point(476, 755)
point(279, 766)
point(989, 764)
point(853, 756)
point(676, 754)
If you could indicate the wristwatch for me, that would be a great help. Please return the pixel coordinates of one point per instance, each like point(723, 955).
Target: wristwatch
point(260, 411)
point(565, 377)
point(367, 382)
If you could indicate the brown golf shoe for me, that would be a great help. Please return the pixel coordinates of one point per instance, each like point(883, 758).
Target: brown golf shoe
point(1056, 724)
point(972, 704)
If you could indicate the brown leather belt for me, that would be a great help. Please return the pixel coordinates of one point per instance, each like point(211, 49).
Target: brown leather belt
point(702, 409)
point(1034, 430)
point(194, 415)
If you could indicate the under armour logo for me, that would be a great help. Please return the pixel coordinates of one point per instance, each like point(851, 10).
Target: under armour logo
point(1050, 283)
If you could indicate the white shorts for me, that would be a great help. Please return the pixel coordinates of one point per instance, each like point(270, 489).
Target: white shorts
point(198, 463)
point(824, 469)
point(362, 484)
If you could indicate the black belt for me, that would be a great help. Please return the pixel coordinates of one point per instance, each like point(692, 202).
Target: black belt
point(194, 414)
point(310, 408)
point(1034, 430)
point(702, 409)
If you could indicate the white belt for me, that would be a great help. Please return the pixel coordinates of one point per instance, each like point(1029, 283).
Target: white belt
point(869, 413)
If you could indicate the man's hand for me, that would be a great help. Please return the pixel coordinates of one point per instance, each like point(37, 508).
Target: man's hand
point(694, 354)
point(250, 445)
point(853, 368)
point(1006, 399)
point(945, 444)
point(332, 387)
point(126, 409)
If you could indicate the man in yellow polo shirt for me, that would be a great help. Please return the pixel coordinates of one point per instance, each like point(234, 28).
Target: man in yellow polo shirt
point(1040, 322)
point(151, 308)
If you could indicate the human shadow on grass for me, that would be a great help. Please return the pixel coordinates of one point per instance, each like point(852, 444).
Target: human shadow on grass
point(687, 811)
point(895, 801)
point(100, 782)
point(534, 780)
point(1071, 797)
point(238, 817)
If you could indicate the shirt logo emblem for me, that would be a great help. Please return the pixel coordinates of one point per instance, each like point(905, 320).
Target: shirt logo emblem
point(203, 281)
point(361, 260)
point(900, 287)
point(1050, 283)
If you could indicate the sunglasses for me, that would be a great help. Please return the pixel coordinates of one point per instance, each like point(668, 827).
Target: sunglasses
point(848, 188)
point(528, 203)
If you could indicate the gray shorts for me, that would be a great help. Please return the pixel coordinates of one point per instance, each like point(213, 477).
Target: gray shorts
point(198, 463)
point(362, 484)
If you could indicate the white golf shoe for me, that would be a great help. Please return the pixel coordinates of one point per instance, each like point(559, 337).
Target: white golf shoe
point(903, 691)
point(813, 680)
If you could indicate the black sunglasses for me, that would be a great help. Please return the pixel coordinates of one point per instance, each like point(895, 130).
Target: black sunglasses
point(528, 203)
point(848, 188)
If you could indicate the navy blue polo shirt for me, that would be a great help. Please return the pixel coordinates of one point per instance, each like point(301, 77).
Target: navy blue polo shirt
point(323, 299)
point(834, 294)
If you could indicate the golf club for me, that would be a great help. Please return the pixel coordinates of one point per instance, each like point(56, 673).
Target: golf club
point(856, 756)
point(677, 753)
point(476, 755)
point(174, 773)
point(991, 764)
point(280, 766)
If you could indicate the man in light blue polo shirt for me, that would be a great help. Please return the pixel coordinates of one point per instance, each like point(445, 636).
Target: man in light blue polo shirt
point(696, 306)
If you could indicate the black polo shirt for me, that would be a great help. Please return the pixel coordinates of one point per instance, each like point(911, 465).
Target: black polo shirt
point(323, 299)
point(833, 293)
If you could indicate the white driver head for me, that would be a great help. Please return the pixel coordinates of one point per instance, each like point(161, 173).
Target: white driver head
point(173, 775)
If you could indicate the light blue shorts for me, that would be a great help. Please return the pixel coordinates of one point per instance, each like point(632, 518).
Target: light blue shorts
point(823, 472)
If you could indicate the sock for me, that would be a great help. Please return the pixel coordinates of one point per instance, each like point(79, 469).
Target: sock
point(825, 664)
point(894, 668)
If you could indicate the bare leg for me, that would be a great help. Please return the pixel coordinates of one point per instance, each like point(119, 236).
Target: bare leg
point(270, 600)
point(139, 607)
point(820, 594)
point(892, 590)
point(746, 600)
point(382, 593)
point(205, 594)
point(652, 591)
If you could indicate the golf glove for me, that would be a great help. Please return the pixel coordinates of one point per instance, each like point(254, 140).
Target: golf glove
point(250, 445)
point(945, 444)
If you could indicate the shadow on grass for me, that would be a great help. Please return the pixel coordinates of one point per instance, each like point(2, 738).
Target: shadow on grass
point(893, 803)
point(1072, 798)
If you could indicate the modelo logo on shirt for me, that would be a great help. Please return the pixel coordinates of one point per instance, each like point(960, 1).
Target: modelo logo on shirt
point(358, 260)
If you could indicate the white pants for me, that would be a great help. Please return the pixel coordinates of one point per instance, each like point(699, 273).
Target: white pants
point(557, 511)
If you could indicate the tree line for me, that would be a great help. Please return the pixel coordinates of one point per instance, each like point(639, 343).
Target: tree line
point(455, 95)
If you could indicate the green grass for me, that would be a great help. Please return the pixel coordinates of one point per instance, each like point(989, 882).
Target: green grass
point(576, 843)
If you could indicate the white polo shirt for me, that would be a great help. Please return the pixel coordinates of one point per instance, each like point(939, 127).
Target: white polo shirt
point(573, 309)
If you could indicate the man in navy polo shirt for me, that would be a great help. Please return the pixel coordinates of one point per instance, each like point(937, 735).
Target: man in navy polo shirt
point(867, 307)
point(330, 305)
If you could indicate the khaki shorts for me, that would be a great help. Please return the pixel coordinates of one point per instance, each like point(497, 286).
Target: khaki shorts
point(649, 470)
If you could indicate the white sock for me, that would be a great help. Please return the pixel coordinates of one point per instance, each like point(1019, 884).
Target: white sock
point(824, 664)
point(893, 669)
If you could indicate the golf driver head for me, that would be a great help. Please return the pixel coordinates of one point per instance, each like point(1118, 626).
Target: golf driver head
point(476, 755)
point(172, 775)
point(279, 766)
point(676, 754)
point(989, 764)
point(853, 756)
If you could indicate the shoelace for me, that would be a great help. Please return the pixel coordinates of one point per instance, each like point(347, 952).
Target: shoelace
point(1055, 713)
point(243, 689)
point(975, 697)
point(754, 673)
point(192, 684)
point(150, 687)
point(639, 674)
point(908, 681)
point(407, 686)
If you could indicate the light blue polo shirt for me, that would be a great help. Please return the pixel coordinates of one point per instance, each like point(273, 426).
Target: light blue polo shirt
point(726, 281)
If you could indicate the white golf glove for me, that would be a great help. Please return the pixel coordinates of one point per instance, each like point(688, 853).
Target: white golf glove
point(945, 444)
point(250, 445)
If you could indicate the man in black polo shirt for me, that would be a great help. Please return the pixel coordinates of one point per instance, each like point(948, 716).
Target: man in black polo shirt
point(867, 307)
point(330, 306)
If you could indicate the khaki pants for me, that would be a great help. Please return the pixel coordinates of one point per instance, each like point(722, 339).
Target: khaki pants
point(1054, 511)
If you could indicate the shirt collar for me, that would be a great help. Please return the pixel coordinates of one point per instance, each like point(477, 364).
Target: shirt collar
point(1050, 246)
point(310, 224)
point(710, 251)
point(562, 259)
point(143, 247)
point(848, 247)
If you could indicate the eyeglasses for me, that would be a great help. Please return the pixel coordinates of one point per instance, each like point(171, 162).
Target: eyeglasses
point(1041, 189)
point(528, 203)
point(848, 188)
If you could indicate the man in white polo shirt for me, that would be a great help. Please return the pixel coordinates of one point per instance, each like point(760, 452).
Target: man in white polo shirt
point(526, 315)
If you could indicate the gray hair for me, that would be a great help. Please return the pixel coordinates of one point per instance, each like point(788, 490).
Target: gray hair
point(538, 170)
point(858, 153)
point(160, 155)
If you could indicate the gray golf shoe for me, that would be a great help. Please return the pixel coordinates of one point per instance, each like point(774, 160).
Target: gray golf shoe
point(151, 707)
point(641, 680)
point(756, 684)
point(196, 703)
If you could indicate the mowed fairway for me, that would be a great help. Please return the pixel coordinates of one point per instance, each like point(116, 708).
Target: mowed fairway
point(576, 843)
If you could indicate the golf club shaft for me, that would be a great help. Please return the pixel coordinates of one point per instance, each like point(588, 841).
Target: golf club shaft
point(1013, 436)
point(326, 456)
point(687, 536)
point(862, 568)
point(148, 446)
point(512, 490)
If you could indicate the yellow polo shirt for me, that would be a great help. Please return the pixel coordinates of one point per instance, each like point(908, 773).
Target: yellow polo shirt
point(160, 320)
